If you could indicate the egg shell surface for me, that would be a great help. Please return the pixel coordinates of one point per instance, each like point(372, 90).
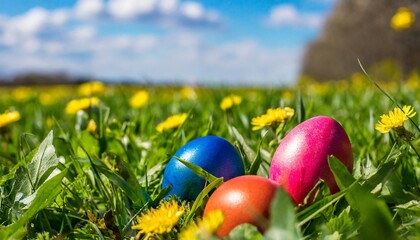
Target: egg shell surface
point(214, 154)
point(244, 199)
point(301, 158)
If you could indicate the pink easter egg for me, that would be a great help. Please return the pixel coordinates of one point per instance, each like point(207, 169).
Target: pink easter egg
point(301, 159)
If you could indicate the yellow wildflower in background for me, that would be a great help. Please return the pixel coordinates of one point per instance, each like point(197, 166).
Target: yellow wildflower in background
point(91, 127)
point(51, 94)
point(139, 99)
point(287, 95)
point(204, 228)
point(413, 81)
point(188, 92)
point(229, 101)
point(159, 221)
point(358, 81)
point(172, 122)
point(91, 88)
point(8, 118)
point(402, 19)
point(46, 98)
point(22, 94)
point(79, 104)
point(394, 120)
point(273, 118)
point(49, 122)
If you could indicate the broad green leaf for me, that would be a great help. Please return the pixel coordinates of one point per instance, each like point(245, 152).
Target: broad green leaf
point(413, 205)
point(341, 226)
point(10, 175)
point(244, 231)
point(22, 187)
point(334, 236)
point(375, 218)
point(43, 161)
point(27, 180)
point(45, 195)
point(283, 223)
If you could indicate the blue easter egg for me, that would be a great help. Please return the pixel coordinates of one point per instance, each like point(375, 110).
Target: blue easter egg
point(214, 154)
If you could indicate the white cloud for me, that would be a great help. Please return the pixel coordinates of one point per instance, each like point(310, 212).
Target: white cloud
point(31, 22)
point(283, 14)
point(31, 44)
point(31, 30)
point(53, 47)
point(52, 25)
point(175, 57)
point(189, 57)
point(288, 15)
point(168, 6)
point(67, 40)
point(145, 43)
point(59, 17)
point(130, 9)
point(38, 20)
point(321, 1)
point(165, 12)
point(125, 44)
point(192, 10)
point(88, 9)
point(249, 62)
point(81, 34)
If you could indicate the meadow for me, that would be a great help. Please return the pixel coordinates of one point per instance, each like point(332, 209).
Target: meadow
point(86, 161)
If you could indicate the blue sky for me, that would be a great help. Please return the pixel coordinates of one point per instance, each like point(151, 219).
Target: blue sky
point(211, 41)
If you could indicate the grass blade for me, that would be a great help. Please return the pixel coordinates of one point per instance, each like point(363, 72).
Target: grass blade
point(45, 195)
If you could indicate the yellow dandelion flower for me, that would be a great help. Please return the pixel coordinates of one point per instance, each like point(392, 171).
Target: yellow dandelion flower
point(358, 81)
point(287, 95)
point(172, 122)
point(402, 19)
point(91, 88)
point(188, 93)
point(273, 117)
point(395, 119)
point(8, 118)
point(413, 81)
point(91, 127)
point(139, 99)
point(229, 101)
point(49, 121)
point(79, 104)
point(22, 94)
point(211, 222)
point(51, 94)
point(46, 98)
point(160, 220)
point(204, 227)
point(189, 233)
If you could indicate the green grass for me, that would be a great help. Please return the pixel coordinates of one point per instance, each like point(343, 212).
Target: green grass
point(59, 180)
